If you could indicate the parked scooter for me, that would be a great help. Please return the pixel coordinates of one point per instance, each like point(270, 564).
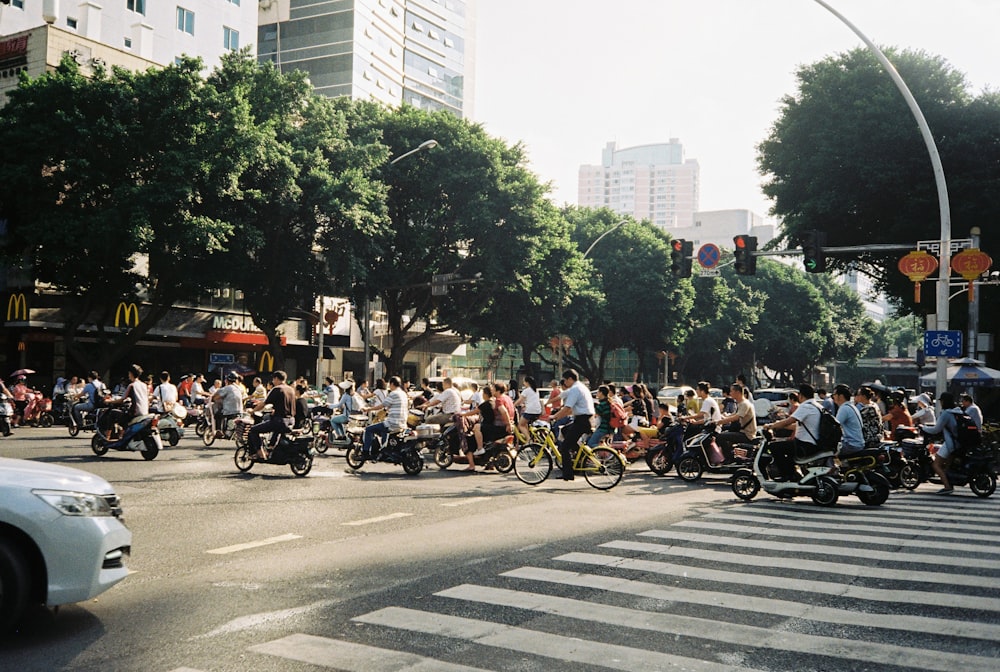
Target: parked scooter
point(139, 436)
point(447, 445)
point(400, 447)
point(286, 448)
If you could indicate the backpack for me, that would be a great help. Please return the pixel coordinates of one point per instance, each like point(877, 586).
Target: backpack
point(830, 431)
point(618, 414)
point(966, 433)
point(871, 426)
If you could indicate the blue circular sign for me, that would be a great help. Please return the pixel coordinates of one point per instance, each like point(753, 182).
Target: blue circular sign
point(708, 255)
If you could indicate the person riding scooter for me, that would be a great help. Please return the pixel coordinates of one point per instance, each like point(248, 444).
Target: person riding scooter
point(282, 401)
point(136, 400)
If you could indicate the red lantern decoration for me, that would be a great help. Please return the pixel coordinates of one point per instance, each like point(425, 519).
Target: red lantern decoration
point(917, 266)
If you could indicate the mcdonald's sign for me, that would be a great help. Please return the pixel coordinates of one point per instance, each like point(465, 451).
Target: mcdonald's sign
point(17, 308)
point(266, 362)
point(129, 312)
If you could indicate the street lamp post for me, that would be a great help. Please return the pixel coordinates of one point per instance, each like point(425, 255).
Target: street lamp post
point(426, 144)
point(598, 239)
point(944, 259)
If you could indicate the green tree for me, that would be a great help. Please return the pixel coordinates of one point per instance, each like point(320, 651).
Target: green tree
point(468, 207)
point(845, 157)
point(641, 306)
point(305, 190)
point(107, 185)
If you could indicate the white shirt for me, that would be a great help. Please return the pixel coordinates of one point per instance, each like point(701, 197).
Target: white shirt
point(332, 395)
point(138, 391)
point(710, 410)
point(808, 416)
point(451, 401)
point(166, 393)
point(578, 398)
point(532, 402)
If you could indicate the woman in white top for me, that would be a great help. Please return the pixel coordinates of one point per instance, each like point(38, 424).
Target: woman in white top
point(529, 404)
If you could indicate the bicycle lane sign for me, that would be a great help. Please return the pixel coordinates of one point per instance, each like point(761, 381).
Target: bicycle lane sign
point(943, 343)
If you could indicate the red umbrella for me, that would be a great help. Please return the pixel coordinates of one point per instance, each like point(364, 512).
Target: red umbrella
point(22, 372)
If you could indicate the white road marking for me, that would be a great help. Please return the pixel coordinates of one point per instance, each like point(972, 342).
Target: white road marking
point(904, 520)
point(798, 564)
point(559, 647)
point(821, 549)
point(785, 608)
point(784, 583)
point(264, 619)
point(351, 657)
point(742, 635)
point(468, 500)
point(254, 544)
point(326, 474)
point(378, 519)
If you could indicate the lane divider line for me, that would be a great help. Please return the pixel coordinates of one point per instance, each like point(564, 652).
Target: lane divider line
point(254, 544)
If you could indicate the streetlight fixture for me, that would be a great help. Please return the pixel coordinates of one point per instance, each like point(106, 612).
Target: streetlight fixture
point(426, 144)
point(613, 228)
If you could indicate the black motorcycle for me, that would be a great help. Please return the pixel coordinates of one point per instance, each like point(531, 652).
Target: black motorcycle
point(702, 454)
point(400, 447)
point(975, 467)
point(496, 454)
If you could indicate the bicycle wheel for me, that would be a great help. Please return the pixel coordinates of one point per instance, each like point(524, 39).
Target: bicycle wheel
point(532, 464)
point(603, 468)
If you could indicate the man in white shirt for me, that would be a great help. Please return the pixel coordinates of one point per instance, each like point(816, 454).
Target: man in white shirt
point(165, 394)
point(578, 402)
point(230, 399)
point(806, 433)
point(449, 401)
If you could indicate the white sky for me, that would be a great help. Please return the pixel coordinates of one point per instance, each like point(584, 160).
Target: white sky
point(566, 76)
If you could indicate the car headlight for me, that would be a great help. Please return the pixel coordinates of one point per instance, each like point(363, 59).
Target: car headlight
point(75, 503)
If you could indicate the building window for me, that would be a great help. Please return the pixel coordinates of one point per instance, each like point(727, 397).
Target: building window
point(71, 22)
point(235, 2)
point(185, 20)
point(128, 42)
point(137, 6)
point(17, 3)
point(230, 38)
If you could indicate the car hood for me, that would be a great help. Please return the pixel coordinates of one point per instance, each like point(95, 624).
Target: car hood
point(28, 474)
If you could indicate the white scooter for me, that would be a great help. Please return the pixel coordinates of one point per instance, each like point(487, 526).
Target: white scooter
point(819, 481)
point(171, 424)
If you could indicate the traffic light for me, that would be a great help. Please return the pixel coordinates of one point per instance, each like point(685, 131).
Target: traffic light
point(812, 251)
point(676, 257)
point(680, 258)
point(746, 260)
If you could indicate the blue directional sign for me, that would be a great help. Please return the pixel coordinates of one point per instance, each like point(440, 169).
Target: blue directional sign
point(708, 255)
point(217, 358)
point(943, 343)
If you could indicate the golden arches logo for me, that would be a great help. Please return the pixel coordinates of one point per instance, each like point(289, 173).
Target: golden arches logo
point(17, 308)
point(130, 313)
point(266, 361)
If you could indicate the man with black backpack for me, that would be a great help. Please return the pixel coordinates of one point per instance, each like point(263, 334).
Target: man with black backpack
point(807, 434)
point(958, 430)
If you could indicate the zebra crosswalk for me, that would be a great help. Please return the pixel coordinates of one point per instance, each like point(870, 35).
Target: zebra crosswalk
point(912, 585)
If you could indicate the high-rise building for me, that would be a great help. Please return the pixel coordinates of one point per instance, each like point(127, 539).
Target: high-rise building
point(418, 52)
point(653, 182)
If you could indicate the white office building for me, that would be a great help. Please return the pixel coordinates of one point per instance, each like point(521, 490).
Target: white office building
point(653, 182)
point(419, 52)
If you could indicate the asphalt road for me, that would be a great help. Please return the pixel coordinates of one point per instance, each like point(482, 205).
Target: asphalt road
point(448, 571)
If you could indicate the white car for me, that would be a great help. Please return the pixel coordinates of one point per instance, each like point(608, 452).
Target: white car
point(62, 538)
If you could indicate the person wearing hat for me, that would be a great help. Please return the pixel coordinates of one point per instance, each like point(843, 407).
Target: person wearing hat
point(924, 415)
point(229, 399)
point(184, 389)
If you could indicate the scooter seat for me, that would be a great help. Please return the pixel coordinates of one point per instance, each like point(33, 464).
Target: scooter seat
point(813, 457)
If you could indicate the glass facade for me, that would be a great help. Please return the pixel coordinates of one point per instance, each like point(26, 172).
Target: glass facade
point(396, 51)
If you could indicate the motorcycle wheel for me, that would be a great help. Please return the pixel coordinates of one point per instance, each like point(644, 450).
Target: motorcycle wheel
point(301, 464)
point(503, 462)
point(4, 426)
point(321, 443)
point(983, 484)
point(151, 451)
point(442, 456)
point(826, 492)
point(73, 430)
point(746, 485)
point(532, 464)
point(173, 437)
point(97, 445)
point(413, 463)
point(240, 438)
point(610, 469)
point(200, 427)
point(46, 420)
point(659, 462)
point(909, 476)
point(689, 468)
point(354, 458)
point(880, 486)
point(243, 459)
point(208, 437)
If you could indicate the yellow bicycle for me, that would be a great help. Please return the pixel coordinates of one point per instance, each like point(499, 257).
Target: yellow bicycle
point(603, 467)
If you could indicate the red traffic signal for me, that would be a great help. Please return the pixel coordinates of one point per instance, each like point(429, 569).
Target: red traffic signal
point(745, 261)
